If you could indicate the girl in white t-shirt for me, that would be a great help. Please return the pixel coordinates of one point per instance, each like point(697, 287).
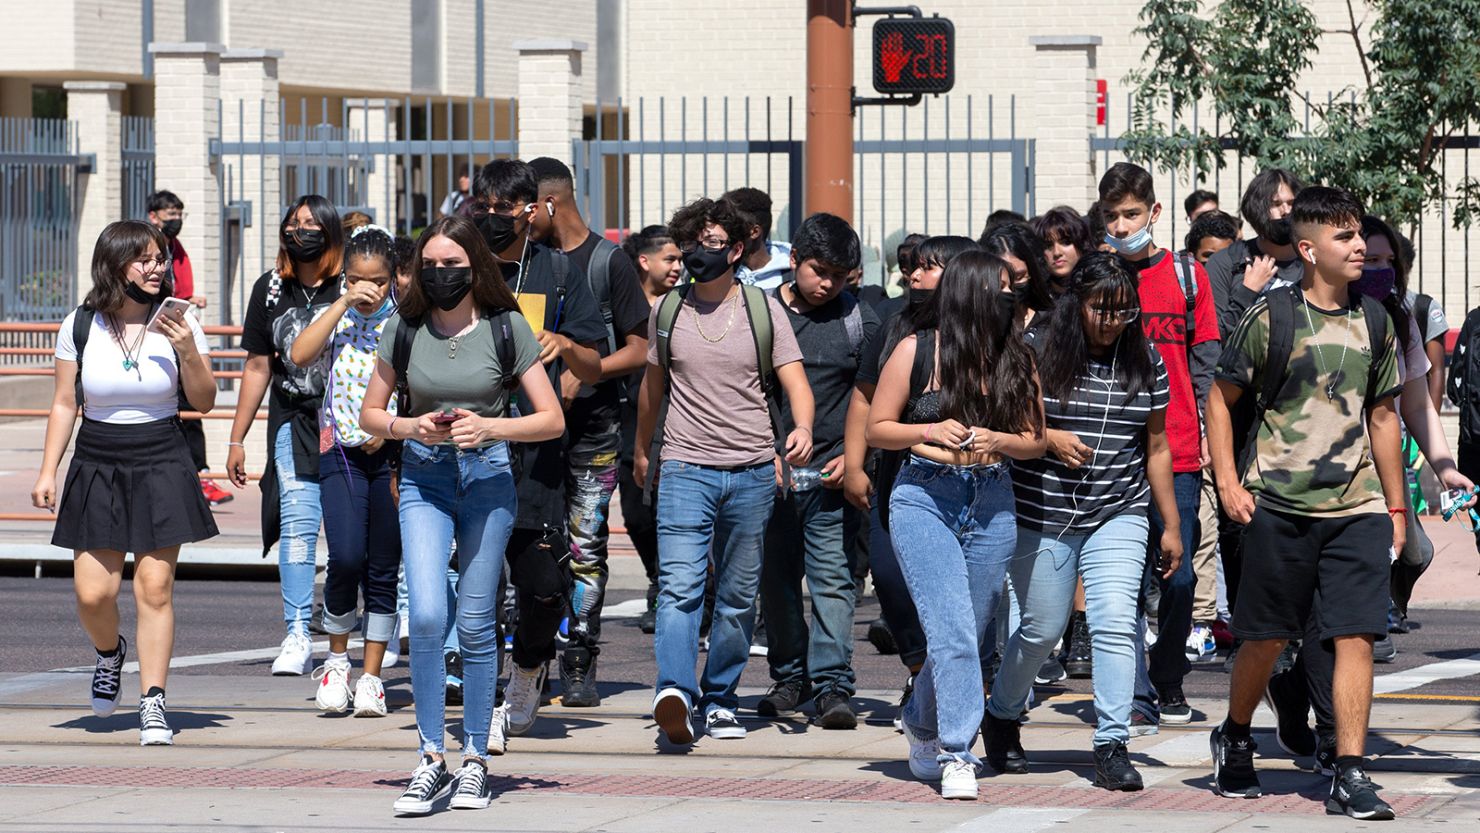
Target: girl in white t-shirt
point(131, 485)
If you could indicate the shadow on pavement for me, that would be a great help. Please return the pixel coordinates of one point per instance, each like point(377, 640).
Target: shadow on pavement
point(128, 721)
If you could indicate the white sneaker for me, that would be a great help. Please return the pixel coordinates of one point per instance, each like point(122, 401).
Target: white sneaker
point(958, 780)
point(721, 724)
point(924, 755)
point(295, 658)
point(1200, 643)
point(369, 696)
point(522, 698)
point(674, 715)
point(392, 648)
point(498, 732)
point(333, 693)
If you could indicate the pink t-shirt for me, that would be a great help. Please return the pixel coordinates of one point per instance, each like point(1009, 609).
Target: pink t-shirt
point(717, 414)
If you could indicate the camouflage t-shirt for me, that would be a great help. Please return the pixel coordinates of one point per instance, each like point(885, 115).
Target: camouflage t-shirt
point(1313, 456)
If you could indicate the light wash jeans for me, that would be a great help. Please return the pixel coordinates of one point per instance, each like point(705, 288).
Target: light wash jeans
point(467, 496)
point(1044, 571)
point(954, 530)
point(298, 501)
point(700, 508)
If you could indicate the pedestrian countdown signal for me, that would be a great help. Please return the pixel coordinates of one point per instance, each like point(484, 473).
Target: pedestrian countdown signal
point(914, 55)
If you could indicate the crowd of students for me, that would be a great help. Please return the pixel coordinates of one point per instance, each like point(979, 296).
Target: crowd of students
point(1056, 435)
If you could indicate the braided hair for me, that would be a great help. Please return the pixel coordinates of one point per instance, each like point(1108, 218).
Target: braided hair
point(373, 241)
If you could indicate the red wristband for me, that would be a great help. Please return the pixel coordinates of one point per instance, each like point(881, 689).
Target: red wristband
point(1399, 511)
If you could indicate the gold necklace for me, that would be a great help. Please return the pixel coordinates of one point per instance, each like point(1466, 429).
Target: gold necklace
point(698, 325)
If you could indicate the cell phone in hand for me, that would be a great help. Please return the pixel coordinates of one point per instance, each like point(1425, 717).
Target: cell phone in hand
point(445, 418)
point(169, 304)
point(966, 443)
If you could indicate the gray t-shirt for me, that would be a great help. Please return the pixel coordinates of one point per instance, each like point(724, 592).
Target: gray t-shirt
point(717, 414)
point(1226, 277)
point(440, 377)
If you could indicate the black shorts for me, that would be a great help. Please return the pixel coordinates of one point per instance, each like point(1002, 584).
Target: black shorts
point(1291, 562)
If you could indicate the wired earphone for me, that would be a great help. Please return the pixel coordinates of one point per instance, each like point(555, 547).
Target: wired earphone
point(1099, 443)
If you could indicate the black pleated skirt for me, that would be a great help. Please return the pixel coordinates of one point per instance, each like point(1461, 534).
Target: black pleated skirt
point(131, 488)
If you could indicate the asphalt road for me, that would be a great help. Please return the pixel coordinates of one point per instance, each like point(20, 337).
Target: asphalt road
point(41, 633)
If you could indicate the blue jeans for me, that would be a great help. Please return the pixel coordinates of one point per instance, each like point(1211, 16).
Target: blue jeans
point(467, 496)
point(1044, 572)
point(954, 529)
point(364, 535)
point(1168, 657)
point(700, 507)
point(805, 537)
point(895, 604)
point(298, 500)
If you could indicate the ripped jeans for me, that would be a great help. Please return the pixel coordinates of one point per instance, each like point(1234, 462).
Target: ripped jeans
point(298, 500)
point(589, 488)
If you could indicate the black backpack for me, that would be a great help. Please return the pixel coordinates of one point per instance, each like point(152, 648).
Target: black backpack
point(503, 342)
point(890, 462)
point(1283, 304)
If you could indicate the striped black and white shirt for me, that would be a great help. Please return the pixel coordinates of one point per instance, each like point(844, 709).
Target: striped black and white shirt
point(1053, 498)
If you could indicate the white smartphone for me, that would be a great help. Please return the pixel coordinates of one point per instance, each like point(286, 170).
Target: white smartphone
point(169, 304)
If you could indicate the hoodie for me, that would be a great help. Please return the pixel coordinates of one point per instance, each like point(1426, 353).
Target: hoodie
point(776, 271)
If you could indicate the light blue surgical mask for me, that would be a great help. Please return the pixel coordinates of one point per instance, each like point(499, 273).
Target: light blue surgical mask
point(1130, 244)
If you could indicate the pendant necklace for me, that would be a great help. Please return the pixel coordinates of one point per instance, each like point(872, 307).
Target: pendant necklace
point(131, 354)
point(1331, 379)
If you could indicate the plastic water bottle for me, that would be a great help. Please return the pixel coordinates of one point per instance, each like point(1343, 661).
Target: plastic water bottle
point(805, 480)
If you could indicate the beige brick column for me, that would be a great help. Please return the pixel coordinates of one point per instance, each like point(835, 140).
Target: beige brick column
point(187, 90)
point(250, 111)
point(374, 120)
point(549, 97)
point(1063, 119)
point(97, 109)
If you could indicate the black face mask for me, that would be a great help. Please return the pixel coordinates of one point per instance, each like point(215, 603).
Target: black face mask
point(137, 293)
point(1278, 232)
point(304, 245)
point(171, 228)
point(705, 264)
point(446, 286)
point(498, 231)
point(919, 296)
point(1007, 304)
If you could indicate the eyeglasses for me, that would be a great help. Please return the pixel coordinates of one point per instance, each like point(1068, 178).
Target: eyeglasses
point(713, 244)
point(158, 262)
point(1117, 316)
point(502, 207)
point(311, 225)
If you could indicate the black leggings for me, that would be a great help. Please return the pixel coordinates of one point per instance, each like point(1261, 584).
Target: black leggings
point(539, 569)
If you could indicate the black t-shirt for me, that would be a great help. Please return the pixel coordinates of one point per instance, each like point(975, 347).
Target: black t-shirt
point(541, 487)
point(872, 358)
point(593, 419)
point(831, 360)
point(270, 332)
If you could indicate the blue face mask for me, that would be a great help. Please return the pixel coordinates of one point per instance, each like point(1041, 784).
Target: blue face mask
point(1130, 244)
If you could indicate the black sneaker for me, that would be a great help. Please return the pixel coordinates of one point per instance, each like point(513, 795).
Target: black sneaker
point(1287, 698)
point(1232, 657)
point(1354, 794)
point(648, 621)
point(1078, 657)
point(429, 782)
point(154, 727)
point(1050, 672)
point(1325, 756)
point(1003, 739)
point(1141, 725)
point(834, 712)
point(471, 792)
point(1113, 769)
point(1233, 766)
point(106, 683)
point(1174, 708)
point(994, 664)
point(783, 697)
point(453, 662)
point(1384, 651)
point(881, 637)
point(578, 678)
point(904, 698)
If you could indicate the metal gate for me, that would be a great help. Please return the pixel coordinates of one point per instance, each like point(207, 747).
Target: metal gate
point(138, 166)
point(39, 164)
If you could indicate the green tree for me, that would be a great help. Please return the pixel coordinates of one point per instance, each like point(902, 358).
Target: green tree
point(1382, 136)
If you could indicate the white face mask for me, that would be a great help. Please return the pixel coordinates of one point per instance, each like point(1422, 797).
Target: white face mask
point(1131, 243)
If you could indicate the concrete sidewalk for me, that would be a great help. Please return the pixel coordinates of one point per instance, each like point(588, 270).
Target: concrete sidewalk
point(252, 754)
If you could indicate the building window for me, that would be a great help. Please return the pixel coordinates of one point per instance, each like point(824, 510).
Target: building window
point(203, 21)
point(426, 45)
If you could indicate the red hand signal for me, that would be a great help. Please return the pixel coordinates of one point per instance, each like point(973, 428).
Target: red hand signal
point(894, 56)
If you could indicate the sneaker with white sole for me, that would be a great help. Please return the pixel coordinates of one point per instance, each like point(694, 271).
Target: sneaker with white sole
point(721, 724)
point(674, 715)
point(429, 782)
point(958, 780)
point(369, 696)
point(333, 694)
point(498, 732)
point(924, 755)
point(470, 790)
point(154, 727)
point(295, 656)
point(106, 681)
point(522, 697)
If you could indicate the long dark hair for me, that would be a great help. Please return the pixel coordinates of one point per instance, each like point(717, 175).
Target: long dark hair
point(1396, 302)
point(986, 370)
point(489, 292)
point(1064, 359)
point(932, 251)
point(331, 262)
point(120, 244)
point(1019, 240)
